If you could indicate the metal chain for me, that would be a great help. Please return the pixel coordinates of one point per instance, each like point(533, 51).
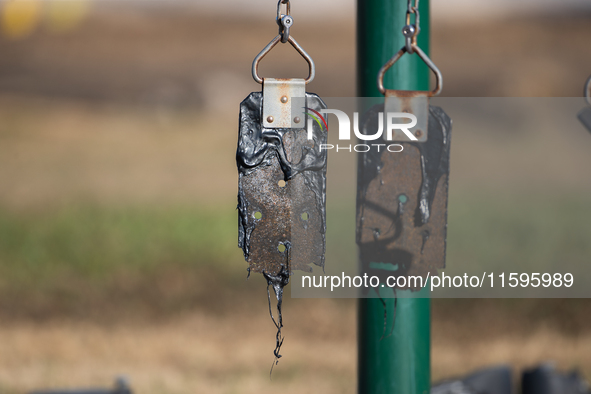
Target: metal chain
point(413, 10)
point(411, 31)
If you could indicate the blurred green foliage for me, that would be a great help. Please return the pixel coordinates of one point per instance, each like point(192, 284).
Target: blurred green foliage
point(96, 243)
point(93, 242)
point(527, 233)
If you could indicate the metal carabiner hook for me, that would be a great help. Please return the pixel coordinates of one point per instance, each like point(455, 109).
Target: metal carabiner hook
point(271, 45)
point(284, 21)
point(410, 37)
point(424, 57)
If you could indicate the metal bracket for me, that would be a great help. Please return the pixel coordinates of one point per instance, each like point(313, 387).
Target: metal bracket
point(411, 102)
point(284, 103)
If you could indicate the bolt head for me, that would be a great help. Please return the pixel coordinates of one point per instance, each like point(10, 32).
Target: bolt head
point(296, 119)
point(270, 119)
point(409, 31)
point(284, 99)
point(418, 133)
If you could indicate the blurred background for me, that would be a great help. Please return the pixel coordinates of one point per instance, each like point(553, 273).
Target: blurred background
point(118, 229)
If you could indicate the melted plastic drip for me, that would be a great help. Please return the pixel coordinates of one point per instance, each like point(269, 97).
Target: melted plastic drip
point(278, 282)
point(425, 234)
point(434, 163)
point(384, 336)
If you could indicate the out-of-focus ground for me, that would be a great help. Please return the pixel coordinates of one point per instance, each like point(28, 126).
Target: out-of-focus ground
point(117, 224)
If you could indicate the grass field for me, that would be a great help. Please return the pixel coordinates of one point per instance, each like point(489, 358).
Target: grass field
point(160, 294)
point(64, 261)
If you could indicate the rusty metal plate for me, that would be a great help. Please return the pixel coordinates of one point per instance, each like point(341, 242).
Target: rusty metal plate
point(283, 103)
point(417, 105)
point(402, 202)
point(282, 189)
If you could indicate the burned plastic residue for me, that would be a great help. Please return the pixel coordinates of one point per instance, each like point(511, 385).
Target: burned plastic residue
point(402, 200)
point(281, 197)
point(435, 162)
point(258, 146)
point(434, 159)
point(278, 282)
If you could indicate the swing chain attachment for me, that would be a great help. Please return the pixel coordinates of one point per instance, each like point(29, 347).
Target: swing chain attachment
point(424, 57)
point(284, 21)
point(411, 31)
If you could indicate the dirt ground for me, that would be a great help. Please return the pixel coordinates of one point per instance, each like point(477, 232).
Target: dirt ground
point(232, 351)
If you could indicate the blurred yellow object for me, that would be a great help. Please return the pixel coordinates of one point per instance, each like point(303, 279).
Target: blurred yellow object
point(65, 15)
point(20, 17)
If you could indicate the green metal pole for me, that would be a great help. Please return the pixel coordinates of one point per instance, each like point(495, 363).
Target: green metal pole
point(399, 363)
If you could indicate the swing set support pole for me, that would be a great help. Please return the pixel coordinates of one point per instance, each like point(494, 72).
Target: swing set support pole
point(399, 363)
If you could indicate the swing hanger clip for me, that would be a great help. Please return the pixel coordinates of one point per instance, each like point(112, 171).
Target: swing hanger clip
point(284, 21)
point(411, 31)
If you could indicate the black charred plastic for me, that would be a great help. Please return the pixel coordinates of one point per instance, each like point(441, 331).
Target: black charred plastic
point(263, 147)
point(402, 200)
point(281, 198)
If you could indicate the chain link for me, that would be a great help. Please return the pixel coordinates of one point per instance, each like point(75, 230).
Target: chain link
point(411, 31)
point(413, 10)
